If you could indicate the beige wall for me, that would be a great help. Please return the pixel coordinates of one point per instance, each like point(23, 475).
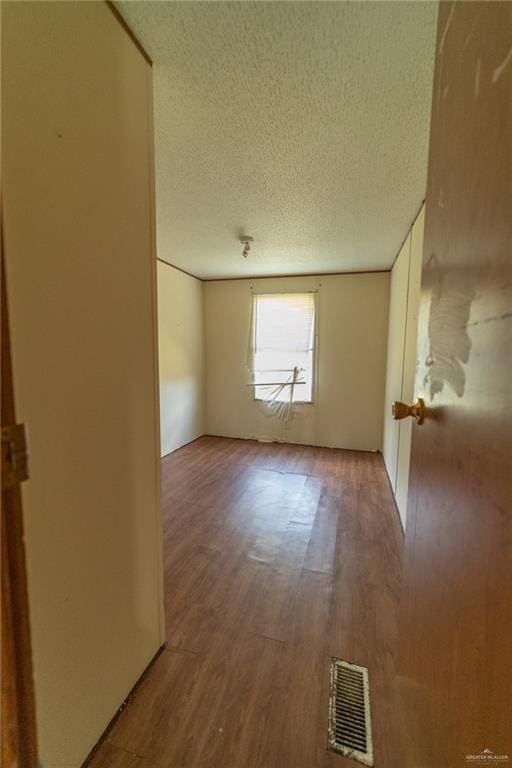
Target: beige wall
point(401, 362)
point(351, 359)
point(78, 214)
point(181, 352)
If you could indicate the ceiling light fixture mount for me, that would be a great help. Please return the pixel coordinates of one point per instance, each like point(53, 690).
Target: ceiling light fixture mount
point(246, 241)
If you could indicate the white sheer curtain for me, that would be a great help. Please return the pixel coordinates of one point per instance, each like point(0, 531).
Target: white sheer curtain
point(281, 349)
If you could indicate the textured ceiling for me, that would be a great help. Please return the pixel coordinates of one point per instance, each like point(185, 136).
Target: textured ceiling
point(303, 124)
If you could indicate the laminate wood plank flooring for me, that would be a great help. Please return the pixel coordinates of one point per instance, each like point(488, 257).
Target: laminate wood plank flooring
point(277, 557)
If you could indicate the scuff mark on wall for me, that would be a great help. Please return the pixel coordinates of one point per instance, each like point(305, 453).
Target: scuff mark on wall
point(497, 73)
point(477, 78)
point(470, 35)
point(446, 28)
point(449, 344)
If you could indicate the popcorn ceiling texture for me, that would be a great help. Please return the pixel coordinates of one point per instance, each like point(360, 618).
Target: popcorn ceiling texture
point(303, 124)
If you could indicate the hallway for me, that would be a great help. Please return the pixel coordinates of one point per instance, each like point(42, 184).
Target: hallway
point(277, 557)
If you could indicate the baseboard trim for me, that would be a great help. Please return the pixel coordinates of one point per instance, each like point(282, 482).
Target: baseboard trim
point(164, 455)
point(264, 441)
point(111, 724)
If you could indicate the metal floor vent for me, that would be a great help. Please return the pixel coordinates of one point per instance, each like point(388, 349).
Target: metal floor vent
point(350, 729)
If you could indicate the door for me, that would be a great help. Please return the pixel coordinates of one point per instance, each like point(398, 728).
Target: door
point(395, 365)
point(78, 216)
point(455, 657)
point(18, 729)
point(409, 363)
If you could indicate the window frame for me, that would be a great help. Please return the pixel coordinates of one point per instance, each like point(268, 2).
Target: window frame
point(254, 297)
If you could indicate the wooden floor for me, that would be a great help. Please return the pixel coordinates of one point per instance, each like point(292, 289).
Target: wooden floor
point(277, 557)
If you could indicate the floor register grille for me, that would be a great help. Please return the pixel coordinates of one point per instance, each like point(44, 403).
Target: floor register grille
point(350, 731)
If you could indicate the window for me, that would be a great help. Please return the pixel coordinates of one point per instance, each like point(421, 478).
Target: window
point(283, 339)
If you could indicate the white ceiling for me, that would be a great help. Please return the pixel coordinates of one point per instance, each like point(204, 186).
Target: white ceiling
point(303, 124)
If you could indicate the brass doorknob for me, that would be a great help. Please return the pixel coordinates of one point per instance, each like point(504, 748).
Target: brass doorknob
point(417, 411)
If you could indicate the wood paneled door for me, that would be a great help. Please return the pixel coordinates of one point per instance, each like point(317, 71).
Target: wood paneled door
point(455, 659)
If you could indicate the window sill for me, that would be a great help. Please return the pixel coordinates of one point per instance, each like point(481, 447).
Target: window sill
point(297, 402)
